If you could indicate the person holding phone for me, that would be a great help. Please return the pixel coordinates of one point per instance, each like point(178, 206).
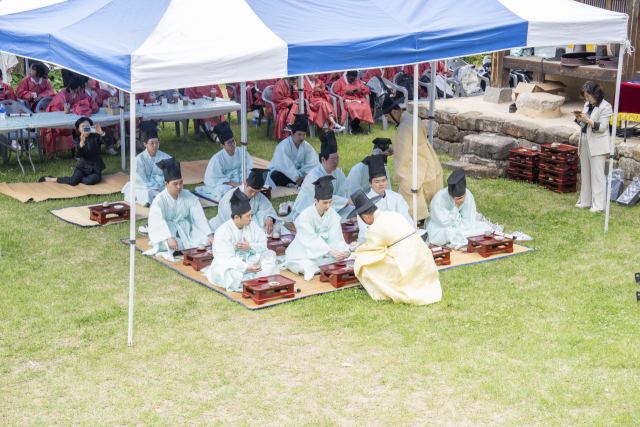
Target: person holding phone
point(90, 164)
point(594, 145)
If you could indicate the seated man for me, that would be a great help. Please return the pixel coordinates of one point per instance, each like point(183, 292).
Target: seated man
point(319, 239)
point(285, 98)
point(394, 263)
point(322, 112)
point(358, 178)
point(453, 214)
point(176, 218)
point(389, 200)
point(240, 250)
point(353, 92)
point(224, 171)
point(261, 208)
point(329, 163)
point(294, 157)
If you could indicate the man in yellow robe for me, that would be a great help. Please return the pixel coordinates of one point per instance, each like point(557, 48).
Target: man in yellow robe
point(429, 169)
point(394, 263)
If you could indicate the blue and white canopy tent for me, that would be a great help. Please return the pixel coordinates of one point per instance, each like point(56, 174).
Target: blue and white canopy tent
point(147, 45)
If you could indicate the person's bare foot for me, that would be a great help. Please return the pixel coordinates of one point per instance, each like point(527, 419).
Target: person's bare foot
point(50, 179)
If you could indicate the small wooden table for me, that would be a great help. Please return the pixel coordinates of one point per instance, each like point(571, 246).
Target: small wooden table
point(261, 289)
point(197, 258)
point(279, 246)
point(338, 273)
point(441, 255)
point(267, 192)
point(487, 246)
point(99, 213)
point(350, 231)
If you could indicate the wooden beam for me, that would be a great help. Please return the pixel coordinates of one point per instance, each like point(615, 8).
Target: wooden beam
point(550, 67)
point(499, 74)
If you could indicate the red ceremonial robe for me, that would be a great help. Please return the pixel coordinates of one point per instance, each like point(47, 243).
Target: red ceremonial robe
point(59, 139)
point(389, 73)
point(357, 110)
point(327, 80)
point(283, 97)
point(27, 87)
point(319, 102)
point(262, 85)
point(424, 67)
point(7, 93)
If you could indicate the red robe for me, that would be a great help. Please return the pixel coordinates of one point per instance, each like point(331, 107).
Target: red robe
point(237, 88)
point(424, 67)
point(328, 81)
point(26, 87)
point(284, 96)
point(144, 95)
point(389, 73)
point(59, 139)
point(262, 85)
point(103, 93)
point(197, 93)
point(319, 102)
point(357, 110)
point(7, 93)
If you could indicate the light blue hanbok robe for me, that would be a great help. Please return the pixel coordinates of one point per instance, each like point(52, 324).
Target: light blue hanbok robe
point(315, 237)
point(229, 265)
point(291, 161)
point(223, 168)
point(149, 178)
point(392, 202)
point(261, 208)
point(307, 193)
point(358, 179)
point(450, 226)
point(182, 219)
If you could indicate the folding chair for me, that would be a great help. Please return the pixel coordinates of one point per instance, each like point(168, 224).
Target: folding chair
point(342, 102)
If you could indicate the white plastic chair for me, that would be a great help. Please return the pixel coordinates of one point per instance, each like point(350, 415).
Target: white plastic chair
point(346, 121)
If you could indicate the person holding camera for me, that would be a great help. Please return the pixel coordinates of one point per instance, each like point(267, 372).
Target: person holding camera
point(90, 164)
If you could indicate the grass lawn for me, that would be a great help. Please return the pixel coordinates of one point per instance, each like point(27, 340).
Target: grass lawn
point(547, 338)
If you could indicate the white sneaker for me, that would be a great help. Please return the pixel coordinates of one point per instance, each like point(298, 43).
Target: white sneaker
point(255, 113)
point(595, 210)
point(283, 209)
point(578, 205)
point(287, 128)
point(338, 127)
point(144, 229)
point(112, 152)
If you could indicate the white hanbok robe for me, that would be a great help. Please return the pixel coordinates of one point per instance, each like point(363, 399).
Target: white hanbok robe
point(149, 178)
point(308, 191)
point(358, 179)
point(229, 265)
point(291, 161)
point(223, 168)
point(315, 237)
point(261, 208)
point(391, 202)
point(182, 219)
point(450, 226)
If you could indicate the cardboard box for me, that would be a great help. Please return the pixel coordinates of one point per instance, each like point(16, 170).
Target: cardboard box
point(550, 87)
point(112, 111)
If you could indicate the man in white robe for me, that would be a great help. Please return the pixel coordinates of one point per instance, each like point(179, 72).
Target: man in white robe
point(358, 178)
point(319, 239)
point(294, 157)
point(224, 171)
point(328, 167)
point(176, 217)
point(453, 214)
point(262, 210)
point(240, 249)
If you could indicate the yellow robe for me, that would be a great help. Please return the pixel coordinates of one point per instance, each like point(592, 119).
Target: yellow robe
point(429, 169)
point(404, 272)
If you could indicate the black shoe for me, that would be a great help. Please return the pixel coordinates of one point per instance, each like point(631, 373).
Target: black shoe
point(43, 177)
point(513, 108)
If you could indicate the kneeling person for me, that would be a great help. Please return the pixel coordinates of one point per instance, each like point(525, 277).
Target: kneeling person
point(359, 178)
point(394, 263)
point(319, 239)
point(240, 250)
point(176, 218)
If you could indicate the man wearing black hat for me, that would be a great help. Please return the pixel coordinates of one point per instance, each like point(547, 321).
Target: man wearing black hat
point(359, 178)
point(224, 171)
point(429, 169)
point(261, 208)
point(240, 251)
point(319, 239)
point(394, 263)
point(453, 214)
point(328, 167)
point(176, 218)
point(353, 93)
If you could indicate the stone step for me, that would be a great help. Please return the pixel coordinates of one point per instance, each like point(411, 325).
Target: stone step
point(471, 170)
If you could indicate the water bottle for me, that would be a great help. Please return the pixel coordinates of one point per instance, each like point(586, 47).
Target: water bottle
point(255, 123)
point(3, 114)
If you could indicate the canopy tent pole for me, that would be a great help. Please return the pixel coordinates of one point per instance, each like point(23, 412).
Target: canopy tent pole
point(624, 46)
point(243, 128)
point(301, 94)
point(433, 94)
point(123, 147)
point(132, 213)
point(414, 187)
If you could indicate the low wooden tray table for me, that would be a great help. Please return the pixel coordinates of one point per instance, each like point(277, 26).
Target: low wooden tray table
point(524, 168)
point(197, 258)
point(559, 177)
point(279, 246)
point(487, 246)
point(267, 192)
point(261, 289)
point(527, 156)
point(441, 255)
point(350, 231)
point(562, 151)
point(338, 273)
point(557, 187)
point(103, 215)
point(559, 166)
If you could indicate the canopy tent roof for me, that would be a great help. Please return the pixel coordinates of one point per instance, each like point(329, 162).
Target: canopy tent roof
point(143, 45)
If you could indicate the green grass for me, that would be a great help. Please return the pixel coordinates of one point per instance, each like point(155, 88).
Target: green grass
point(547, 338)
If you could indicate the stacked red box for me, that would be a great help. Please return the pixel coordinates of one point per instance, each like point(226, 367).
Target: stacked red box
point(559, 168)
point(524, 165)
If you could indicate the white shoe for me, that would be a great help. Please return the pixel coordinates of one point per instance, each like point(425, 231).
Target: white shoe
point(521, 237)
point(595, 210)
point(144, 229)
point(287, 128)
point(112, 152)
point(283, 209)
point(578, 205)
point(255, 113)
point(338, 128)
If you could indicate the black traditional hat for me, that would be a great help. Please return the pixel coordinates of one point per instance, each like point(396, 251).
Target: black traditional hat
point(352, 73)
point(457, 183)
point(150, 128)
point(382, 143)
point(223, 131)
point(239, 203)
point(170, 168)
point(376, 166)
point(324, 188)
point(256, 178)
point(386, 104)
point(362, 202)
point(300, 123)
point(329, 144)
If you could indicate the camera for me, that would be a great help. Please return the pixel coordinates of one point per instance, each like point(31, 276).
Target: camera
point(89, 129)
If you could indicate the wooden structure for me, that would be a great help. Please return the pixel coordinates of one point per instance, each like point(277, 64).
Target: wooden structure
point(441, 255)
point(487, 246)
point(197, 258)
point(267, 192)
point(561, 173)
point(524, 165)
point(350, 231)
point(338, 273)
point(103, 215)
point(279, 246)
point(265, 288)
point(501, 63)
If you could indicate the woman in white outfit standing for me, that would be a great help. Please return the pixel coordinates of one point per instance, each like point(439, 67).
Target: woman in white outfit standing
point(594, 146)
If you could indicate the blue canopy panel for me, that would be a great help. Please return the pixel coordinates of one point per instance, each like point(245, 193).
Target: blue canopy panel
point(361, 34)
